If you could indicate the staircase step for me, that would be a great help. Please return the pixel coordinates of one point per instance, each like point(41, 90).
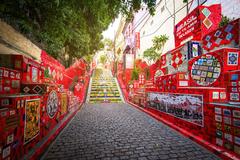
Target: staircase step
point(102, 81)
point(93, 96)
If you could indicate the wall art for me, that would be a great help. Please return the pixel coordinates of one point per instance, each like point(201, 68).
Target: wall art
point(185, 106)
point(32, 120)
point(52, 104)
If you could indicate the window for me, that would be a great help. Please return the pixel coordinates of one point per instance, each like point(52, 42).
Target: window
point(202, 2)
point(151, 22)
point(163, 8)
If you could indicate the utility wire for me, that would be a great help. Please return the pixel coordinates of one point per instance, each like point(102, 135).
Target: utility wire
point(146, 14)
point(172, 15)
point(165, 21)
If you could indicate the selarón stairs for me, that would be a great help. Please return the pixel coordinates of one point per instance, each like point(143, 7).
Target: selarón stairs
point(104, 88)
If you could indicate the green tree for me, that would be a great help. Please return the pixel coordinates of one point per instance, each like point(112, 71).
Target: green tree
point(159, 42)
point(147, 73)
point(103, 59)
point(224, 21)
point(71, 24)
point(150, 54)
point(88, 58)
point(154, 52)
point(135, 73)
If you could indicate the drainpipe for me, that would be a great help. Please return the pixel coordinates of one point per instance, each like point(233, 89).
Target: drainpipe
point(114, 53)
point(174, 17)
point(174, 13)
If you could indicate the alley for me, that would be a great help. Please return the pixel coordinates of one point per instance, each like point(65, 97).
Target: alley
point(120, 131)
point(119, 79)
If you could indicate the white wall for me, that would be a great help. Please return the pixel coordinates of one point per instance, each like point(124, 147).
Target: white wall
point(162, 22)
point(230, 8)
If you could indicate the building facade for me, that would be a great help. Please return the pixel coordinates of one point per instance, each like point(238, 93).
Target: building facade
point(168, 14)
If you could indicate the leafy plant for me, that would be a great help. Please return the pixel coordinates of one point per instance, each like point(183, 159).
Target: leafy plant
point(159, 42)
point(73, 84)
point(154, 52)
point(70, 24)
point(88, 58)
point(46, 73)
point(224, 21)
point(150, 54)
point(103, 59)
point(108, 43)
point(147, 73)
point(135, 73)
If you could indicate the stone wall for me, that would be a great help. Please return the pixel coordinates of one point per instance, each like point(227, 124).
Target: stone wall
point(17, 42)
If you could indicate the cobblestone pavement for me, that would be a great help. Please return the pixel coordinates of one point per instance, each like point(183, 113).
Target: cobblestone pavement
point(119, 131)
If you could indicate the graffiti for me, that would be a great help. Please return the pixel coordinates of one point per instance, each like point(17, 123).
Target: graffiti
point(52, 104)
point(185, 106)
point(32, 119)
point(63, 103)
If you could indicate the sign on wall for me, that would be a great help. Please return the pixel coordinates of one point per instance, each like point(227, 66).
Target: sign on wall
point(52, 104)
point(32, 119)
point(137, 40)
point(198, 23)
point(206, 70)
point(129, 61)
point(63, 103)
point(34, 74)
point(185, 106)
point(187, 27)
point(176, 60)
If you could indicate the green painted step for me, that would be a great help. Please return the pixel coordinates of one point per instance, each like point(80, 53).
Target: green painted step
point(104, 96)
point(102, 81)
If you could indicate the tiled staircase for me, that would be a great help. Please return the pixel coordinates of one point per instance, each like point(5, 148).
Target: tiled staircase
point(104, 88)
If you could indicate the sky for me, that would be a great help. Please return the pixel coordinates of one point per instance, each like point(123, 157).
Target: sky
point(112, 28)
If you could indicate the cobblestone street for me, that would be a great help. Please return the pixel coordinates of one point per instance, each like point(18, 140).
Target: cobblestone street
point(119, 131)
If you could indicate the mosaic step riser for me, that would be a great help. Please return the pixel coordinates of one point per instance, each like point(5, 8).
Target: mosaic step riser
point(105, 100)
point(104, 97)
point(102, 91)
point(104, 85)
point(103, 81)
point(109, 80)
point(97, 92)
point(103, 78)
point(104, 88)
point(92, 99)
point(102, 94)
point(101, 98)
